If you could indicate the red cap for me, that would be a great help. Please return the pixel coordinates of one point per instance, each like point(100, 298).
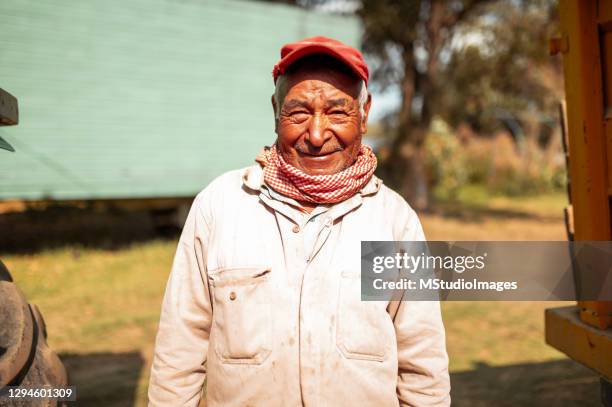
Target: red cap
point(321, 45)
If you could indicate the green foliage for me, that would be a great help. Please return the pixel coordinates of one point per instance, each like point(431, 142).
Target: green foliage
point(478, 62)
point(500, 63)
point(498, 164)
point(446, 162)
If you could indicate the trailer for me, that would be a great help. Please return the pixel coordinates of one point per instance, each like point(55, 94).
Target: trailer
point(141, 104)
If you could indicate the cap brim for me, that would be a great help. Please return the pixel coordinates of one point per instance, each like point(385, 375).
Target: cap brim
point(5, 145)
point(318, 49)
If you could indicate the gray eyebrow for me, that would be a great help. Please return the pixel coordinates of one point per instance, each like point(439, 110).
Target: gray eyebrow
point(293, 103)
point(290, 104)
point(337, 102)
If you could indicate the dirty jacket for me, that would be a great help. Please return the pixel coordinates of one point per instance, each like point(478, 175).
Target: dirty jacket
point(269, 321)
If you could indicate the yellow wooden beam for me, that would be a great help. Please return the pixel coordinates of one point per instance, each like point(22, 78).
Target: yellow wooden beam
point(586, 45)
point(586, 344)
point(587, 143)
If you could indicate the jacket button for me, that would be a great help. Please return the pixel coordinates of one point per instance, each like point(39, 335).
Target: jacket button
point(232, 296)
point(296, 229)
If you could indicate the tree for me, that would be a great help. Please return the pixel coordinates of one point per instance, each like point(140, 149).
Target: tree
point(509, 70)
point(409, 40)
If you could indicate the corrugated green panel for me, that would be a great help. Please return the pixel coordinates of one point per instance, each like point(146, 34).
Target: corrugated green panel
point(141, 98)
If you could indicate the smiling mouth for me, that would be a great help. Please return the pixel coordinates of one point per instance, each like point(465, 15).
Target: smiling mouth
point(317, 155)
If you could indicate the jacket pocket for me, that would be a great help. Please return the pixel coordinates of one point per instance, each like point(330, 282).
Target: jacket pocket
point(241, 314)
point(361, 331)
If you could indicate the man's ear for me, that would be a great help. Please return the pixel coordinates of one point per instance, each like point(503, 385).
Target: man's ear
point(274, 111)
point(366, 111)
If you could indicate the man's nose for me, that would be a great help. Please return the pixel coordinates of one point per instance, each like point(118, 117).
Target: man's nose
point(317, 131)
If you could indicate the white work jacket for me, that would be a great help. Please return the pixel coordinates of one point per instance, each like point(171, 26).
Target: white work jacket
point(269, 320)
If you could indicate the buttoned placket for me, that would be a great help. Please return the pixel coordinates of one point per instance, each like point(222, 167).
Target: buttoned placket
point(310, 278)
point(307, 226)
point(292, 222)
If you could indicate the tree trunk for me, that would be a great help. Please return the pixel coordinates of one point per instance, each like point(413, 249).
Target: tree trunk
point(413, 183)
point(405, 168)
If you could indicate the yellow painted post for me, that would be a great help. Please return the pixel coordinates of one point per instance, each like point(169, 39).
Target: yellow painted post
point(587, 62)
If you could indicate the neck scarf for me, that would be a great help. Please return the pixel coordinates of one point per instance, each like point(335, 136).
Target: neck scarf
point(294, 183)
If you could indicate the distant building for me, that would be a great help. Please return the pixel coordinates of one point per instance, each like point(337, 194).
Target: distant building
point(141, 99)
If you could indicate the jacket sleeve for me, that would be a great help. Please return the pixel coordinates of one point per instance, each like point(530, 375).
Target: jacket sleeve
point(423, 378)
point(178, 370)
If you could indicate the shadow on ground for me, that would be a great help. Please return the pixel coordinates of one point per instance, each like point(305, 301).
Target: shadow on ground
point(111, 379)
point(34, 230)
point(473, 212)
point(550, 384)
point(104, 379)
point(56, 226)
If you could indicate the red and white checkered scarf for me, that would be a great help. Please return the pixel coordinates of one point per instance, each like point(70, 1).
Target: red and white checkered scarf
point(294, 183)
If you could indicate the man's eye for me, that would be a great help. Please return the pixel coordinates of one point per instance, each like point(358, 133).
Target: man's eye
point(338, 113)
point(299, 115)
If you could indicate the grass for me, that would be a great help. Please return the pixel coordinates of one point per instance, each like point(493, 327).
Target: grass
point(478, 216)
point(506, 332)
point(102, 308)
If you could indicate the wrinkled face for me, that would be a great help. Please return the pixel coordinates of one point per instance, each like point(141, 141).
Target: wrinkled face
point(320, 126)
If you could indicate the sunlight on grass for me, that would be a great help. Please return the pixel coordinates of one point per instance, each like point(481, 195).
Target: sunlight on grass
point(98, 303)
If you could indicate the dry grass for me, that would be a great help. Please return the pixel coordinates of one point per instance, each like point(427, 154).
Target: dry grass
point(480, 217)
point(518, 325)
point(102, 307)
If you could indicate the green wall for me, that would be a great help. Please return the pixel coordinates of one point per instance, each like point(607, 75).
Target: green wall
point(141, 98)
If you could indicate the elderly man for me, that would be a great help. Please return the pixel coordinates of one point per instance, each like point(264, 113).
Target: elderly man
point(263, 301)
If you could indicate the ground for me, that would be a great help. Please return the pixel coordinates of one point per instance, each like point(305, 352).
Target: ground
point(101, 304)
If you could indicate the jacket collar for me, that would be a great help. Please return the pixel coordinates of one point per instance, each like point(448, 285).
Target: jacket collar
point(253, 178)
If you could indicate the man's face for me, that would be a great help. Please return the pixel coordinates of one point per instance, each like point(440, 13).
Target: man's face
point(320, 126)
